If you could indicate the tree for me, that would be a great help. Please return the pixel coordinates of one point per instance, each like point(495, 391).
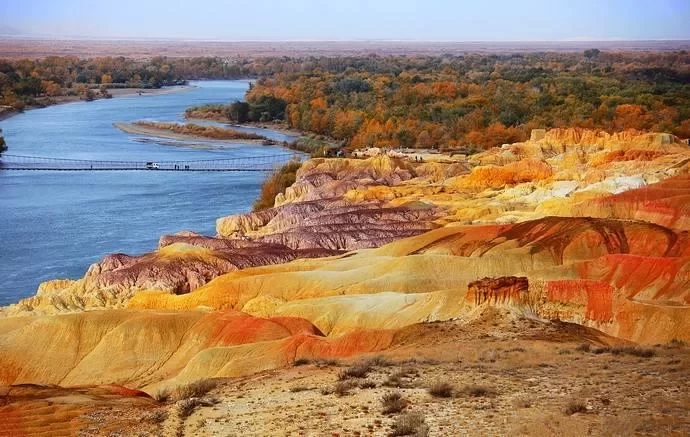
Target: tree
point(425, 140)
point(104, 91)
point(592, 53)
point(106, 78)
point(3, 145)
point(239, 112)
point(51, 88)
point(631, 117)
point(405, 138)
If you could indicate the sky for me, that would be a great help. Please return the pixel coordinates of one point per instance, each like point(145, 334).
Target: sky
point(300, 20)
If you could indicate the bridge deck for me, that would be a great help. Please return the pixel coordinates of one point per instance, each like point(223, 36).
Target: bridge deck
point(255, 163)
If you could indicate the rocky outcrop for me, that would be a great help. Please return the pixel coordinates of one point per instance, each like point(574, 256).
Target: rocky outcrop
point(182, 264)
point(332, 224)
point(497, 291)
point(331, 178)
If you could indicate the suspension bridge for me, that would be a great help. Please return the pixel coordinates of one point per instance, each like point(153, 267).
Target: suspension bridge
point(265, 163)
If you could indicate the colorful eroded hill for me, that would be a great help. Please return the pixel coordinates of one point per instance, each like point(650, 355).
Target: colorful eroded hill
point(576, 225)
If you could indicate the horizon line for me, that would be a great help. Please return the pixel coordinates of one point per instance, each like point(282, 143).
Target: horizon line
point(327, 40)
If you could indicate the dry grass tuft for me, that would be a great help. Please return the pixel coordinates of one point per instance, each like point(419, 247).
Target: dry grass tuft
point(575, 407)
point(402, 378)
point(301, 362)
point(410, 424)
point(187, 406)
point(328, 363)
point(478, 391)
point(162, 395)
point(584, 348)
point(522, 402)
point(343, 388)
point(195, 389)
point(441, 390)
point(618, 350)
point(367, 384)
point(380, 361)
point(392, 402)
point(155, 416)
point(676, 344)
point(360, 370)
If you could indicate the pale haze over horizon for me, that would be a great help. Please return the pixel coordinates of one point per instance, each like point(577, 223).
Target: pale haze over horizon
point(430, 20)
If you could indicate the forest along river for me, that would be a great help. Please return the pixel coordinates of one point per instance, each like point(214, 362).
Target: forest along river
point(55, 224)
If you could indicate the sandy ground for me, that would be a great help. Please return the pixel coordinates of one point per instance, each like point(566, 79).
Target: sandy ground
point(166, 134)
point(507, 375)
point(280, 127)
point(121, 92)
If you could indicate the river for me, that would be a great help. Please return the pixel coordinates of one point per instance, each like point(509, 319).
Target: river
point(55, 224)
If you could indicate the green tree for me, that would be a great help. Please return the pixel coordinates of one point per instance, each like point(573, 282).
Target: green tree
point(239, 112)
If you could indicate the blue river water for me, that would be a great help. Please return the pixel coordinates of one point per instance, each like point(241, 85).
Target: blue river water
point(55, 224)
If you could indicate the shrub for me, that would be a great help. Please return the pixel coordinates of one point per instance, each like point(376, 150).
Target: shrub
point(162, 395)
point(398, 378)
point(360, 370)
point(575, 407)
point(392, 402)
point(393, 381)
point(316, 148)
point(675, 343)
point(380, 361)
point(367, 384)
point(522, 402)
point(622, 350)
point(441, 390)
point(410, 424)
point(477, 391)
point(583, 348)
point(635, 351)
point(155, 416)
point(187, 406)
point(195, 389)
point(343, 388)
point(276, 183)
point(326, 391)
point(301, 362)
point(328, 363)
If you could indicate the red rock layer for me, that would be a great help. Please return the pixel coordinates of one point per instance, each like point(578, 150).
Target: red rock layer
point(496, 291)
point(565, 239)
point(595, 296)
point(666, 203)
point(31, 410)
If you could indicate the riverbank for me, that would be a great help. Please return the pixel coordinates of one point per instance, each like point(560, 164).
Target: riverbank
point(276, 126)
point(7, 112)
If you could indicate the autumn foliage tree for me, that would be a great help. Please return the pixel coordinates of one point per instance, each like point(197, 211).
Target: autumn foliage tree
point(475, 102)
point(276, 183)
